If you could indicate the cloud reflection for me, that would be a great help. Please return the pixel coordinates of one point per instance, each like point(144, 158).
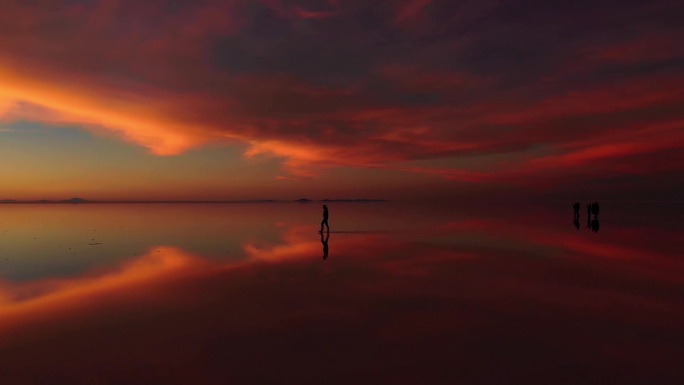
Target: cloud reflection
point(396, 306)
point(52, 295)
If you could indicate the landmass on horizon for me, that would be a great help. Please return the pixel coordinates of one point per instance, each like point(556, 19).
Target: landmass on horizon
point(81, 201)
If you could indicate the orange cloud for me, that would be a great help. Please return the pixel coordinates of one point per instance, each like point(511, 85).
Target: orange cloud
point(135, 118)
point(272, 80)
point(6, 107)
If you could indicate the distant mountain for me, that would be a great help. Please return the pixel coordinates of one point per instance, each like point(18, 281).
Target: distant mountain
point(44, 201)
point(80, 200)
point(353, 200)
point(305, 200)
point(74, 201)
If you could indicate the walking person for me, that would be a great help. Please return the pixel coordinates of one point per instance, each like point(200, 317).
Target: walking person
point(325, 219)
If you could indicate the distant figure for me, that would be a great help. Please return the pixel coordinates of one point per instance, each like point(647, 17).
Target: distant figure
point(576, 208)
point(325, 219)
point(325, 244)
point(576, 222)
point(595, 209)
point(588, 216)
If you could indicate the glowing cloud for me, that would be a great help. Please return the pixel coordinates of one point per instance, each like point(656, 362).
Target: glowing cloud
point(321, 84)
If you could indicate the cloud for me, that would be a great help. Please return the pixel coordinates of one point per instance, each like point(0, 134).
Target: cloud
point(410, 9)
point(6, 107)
point(323, 84)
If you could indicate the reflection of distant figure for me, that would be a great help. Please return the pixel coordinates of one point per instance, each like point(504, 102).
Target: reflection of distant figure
point(325, 244)
point(595, 225)
point(325, 218)
point(575, 219)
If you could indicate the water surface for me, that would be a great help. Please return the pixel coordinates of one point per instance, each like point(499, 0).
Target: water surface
point(479, 293)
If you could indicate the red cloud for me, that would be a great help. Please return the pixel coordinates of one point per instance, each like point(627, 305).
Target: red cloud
point(307, 14)
point(153, 78)
point(409, 9)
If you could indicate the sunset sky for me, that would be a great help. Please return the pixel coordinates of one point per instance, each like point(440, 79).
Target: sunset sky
point(396, 99)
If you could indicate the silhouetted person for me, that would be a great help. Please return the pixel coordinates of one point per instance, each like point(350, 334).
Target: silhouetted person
point(588, 216)
point(325, 244)
point(595, 209)
point(595, 225)
point(576, 222)
point(325, 218)
point(576, 208)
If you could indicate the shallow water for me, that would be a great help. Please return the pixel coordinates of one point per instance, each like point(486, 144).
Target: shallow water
point(480, 293)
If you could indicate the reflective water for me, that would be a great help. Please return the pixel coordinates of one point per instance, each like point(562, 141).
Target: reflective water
point(242, 293)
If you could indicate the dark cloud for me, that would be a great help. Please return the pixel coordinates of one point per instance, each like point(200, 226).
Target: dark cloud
point(362, 83)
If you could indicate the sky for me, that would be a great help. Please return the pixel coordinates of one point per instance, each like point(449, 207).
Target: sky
point(396, 99)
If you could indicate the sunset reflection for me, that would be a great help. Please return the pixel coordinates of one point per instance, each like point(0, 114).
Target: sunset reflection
point(422, 302)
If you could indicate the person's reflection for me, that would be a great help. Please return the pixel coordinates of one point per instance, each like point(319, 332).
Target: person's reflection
point(595, 225)
point(325, 243)
point(576, 208)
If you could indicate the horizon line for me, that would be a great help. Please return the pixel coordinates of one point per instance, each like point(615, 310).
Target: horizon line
point(205, 201)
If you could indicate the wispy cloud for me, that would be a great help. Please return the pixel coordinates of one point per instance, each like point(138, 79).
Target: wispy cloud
point(323, 84)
